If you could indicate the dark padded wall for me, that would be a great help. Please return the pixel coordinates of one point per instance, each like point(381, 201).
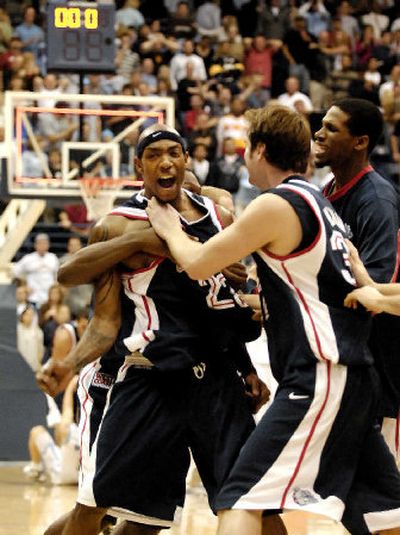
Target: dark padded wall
point(22, 405)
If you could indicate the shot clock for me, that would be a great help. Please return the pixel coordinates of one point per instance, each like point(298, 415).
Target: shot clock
point(80, 36)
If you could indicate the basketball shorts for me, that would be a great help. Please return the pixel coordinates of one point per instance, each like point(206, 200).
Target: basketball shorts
point(141, 455)
point(318, 449)
point(95, 381)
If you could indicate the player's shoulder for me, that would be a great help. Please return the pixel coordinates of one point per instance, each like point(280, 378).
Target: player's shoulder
point(373, 187)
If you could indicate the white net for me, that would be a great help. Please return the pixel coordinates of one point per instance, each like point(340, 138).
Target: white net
point(99, 196)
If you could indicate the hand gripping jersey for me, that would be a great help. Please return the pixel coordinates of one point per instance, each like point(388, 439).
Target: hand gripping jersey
point(369, 206)
point(303, 292)
point(166, 315)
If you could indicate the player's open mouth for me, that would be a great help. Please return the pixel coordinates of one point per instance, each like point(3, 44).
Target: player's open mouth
point(166, 182)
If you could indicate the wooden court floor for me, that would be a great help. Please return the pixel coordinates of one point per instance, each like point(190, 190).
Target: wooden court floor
point(27, 509)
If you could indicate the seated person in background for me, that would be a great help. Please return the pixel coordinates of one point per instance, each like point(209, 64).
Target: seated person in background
point(200, 163)
point(30, 338)
point(56, 460)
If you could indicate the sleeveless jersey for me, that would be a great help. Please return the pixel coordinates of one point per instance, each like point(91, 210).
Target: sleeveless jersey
point(303, 293)
point(172, 320)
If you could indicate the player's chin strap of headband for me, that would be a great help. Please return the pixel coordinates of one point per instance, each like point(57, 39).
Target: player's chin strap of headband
point(157, 136)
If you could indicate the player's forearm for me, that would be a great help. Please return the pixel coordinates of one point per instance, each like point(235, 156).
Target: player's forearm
point(90, 262)
point(388, 289)
point(96, 340)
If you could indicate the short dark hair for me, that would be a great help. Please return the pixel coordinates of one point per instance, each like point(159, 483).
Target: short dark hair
point(365, 119)
point(285, 133)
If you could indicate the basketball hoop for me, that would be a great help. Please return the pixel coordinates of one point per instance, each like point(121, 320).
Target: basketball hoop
point(98, 195)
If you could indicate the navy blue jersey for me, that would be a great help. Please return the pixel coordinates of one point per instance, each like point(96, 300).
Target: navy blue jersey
point(303, 293)
point(171, 319)
point(369, 206)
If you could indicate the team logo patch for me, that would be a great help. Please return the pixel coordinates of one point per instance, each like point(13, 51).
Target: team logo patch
point(103, 380)
point(304, 496)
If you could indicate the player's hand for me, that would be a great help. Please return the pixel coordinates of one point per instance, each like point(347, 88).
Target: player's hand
point(257, 391)
point(163, 218)
point(368, 296)
point(358, 268)
point(254, 302)
point(236, 275)
point(54, 377)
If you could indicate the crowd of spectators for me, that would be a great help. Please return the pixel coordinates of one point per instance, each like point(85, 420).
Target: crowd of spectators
point(43, 304)
point(215, 58)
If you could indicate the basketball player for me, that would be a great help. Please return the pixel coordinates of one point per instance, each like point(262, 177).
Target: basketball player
point(369, 206)
point(167, 329)
point(316, 448)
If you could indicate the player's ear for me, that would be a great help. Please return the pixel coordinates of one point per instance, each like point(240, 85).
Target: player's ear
point(362, 143)
point(138, 165)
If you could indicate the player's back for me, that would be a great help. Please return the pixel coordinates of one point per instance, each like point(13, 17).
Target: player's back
point(303, 292)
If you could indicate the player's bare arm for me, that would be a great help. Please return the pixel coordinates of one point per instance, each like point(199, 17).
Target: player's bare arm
point(268, 222)
point(96, 340)
point(111, 241)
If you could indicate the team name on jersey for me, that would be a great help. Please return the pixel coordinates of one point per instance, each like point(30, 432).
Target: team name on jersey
point(103, 380)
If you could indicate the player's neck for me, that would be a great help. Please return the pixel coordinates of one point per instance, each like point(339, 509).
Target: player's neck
point(345, 173)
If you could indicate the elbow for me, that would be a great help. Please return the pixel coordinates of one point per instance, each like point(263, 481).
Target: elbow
point(65, 276)
point(196, 272)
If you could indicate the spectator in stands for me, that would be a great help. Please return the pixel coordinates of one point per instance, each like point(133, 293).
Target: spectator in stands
point(178, 67)
point(235, 41)
point(11, 60)
point(55, 127)
point(38, 269)
point(208, 19)
point(364, 47)
point(30, 338)
point(296, 49)
point(340, 80)
point(372, 73)
point(77, 297)
point(294, 95)
point(51, 86)
point(22, 299)
point(227, 170)
point(258, 60)
point(54, 162)
point(31, 35)
point(225, 68)
point(34, 160)
point(203, 133)
point(160, 48)
point(233, 125)
point(199, 162)
point(126, 60)
point(148, 74)
point(349, 23)
point(382, 51)
point(62, 316)
point(49, 309)
point(273, 20)
point(129, 14)
point(189, 85)
point(6, 30)
point(316, 15)
point(205, 50)
point(376, 19)
point(181, 23)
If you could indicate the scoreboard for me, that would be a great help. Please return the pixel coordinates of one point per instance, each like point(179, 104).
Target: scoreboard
point(81, 36)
